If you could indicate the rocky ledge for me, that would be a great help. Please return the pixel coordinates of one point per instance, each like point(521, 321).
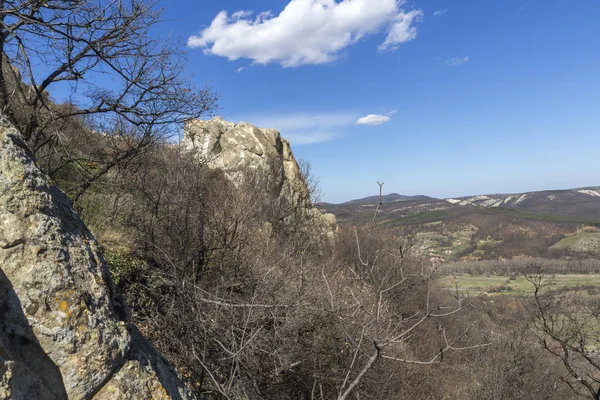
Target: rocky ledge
point(243, 151)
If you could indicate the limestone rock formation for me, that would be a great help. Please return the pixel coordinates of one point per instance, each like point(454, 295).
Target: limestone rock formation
point(243, 151)
point(64, 332)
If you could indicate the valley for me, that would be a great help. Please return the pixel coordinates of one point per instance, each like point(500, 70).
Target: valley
point(560, 224)
point(161, 167)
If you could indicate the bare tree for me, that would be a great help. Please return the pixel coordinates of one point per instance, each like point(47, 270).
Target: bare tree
point(566, 323)
point(312, 181)
point(247, 312)
point(393, 300)
point(122, 82)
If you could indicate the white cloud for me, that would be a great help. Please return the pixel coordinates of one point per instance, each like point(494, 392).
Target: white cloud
point(306, 31)
point(373, 120)
point(456, 61)
point(439, 13)
point(240, 69)
point(402, 30)
point(241, 14)
point(304, 128)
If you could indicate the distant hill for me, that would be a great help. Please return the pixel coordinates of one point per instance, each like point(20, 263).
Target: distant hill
point(571, 204)
point(388, 198)
point(551, 223)
point(394, 208)
point(579, 206)
point(576, 203)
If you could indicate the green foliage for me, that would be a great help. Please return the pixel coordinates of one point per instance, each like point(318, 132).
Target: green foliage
point(122, 264)
point(136, 281)
point(515, 285)
point(419, 218)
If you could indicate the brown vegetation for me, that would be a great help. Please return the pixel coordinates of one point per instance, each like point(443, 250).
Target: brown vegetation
point(523, 265)
point(259, 311)
point(248, 307)
point(235, 290)
point(566, 325)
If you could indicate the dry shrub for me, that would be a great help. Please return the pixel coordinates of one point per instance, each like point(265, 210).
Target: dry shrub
point(248, 305)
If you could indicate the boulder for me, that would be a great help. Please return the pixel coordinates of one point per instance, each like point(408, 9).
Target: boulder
point(64, 331)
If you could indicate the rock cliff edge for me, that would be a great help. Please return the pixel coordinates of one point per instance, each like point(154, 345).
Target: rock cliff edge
point(243, 151)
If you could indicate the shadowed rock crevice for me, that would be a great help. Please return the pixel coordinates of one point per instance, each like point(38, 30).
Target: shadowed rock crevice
point(143, 359)
point(30, 372)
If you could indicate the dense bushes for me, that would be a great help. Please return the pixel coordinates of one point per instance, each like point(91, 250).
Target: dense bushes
point(246, 307)
point(249, 307)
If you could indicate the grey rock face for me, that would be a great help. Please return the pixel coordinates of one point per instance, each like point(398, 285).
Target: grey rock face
point(63, 331)
point(145, 375)
point(240, 150)
point(26, 371)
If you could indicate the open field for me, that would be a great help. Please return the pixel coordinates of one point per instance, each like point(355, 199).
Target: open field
point(587, 239)
point(499, 284)
point(438, 215)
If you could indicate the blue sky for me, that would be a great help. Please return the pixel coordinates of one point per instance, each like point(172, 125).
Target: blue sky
point(470, 97)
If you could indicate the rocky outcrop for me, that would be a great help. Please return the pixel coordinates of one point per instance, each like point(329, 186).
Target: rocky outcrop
point(64, 332)
point(244, 152)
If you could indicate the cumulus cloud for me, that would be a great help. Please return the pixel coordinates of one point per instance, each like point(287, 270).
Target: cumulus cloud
point(306, 31)
point(304, 128)
point(456, 61)
point(373, 120)
point(439, 13)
